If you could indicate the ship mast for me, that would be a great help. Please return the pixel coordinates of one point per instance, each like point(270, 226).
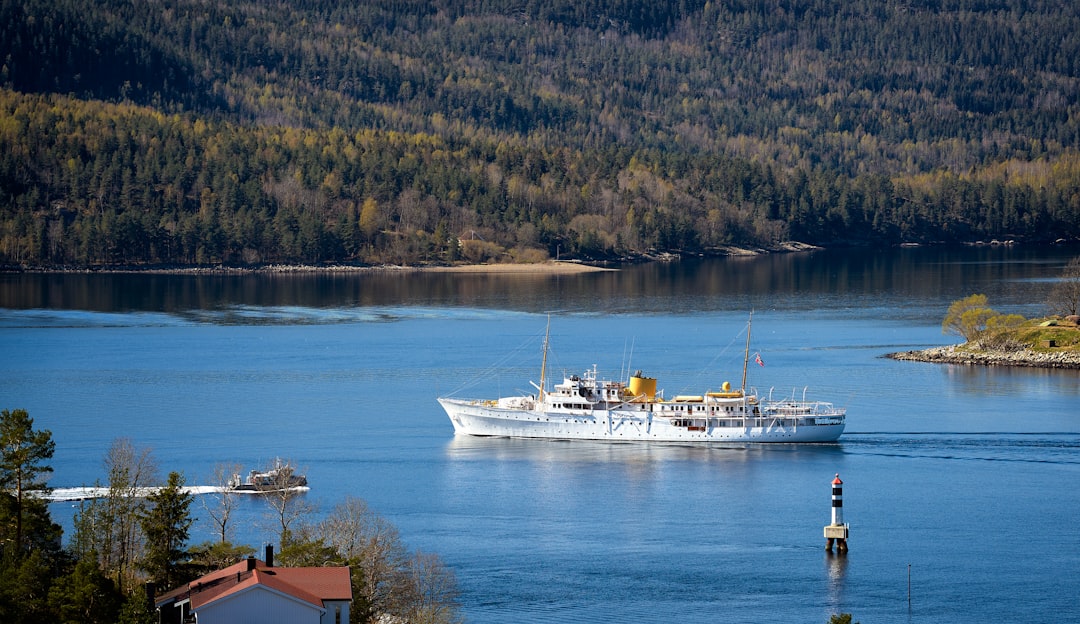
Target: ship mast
point(746, 356)
point(543, 363)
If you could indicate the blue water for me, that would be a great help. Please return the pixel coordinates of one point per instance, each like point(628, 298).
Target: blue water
point(964, 477)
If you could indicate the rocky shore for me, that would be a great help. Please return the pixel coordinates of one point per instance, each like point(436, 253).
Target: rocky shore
point(959, 354)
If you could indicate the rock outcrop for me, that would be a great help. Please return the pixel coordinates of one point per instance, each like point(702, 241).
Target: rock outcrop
point(985, 357)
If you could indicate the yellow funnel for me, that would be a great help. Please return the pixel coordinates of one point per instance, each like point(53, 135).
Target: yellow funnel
point(643, 386)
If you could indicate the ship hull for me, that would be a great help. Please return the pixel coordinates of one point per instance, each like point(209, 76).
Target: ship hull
point(483, 418)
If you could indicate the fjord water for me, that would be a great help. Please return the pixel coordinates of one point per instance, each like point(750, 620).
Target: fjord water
point(963, 480)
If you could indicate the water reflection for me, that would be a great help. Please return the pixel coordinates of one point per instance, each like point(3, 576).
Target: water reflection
point(476, 448)
point(896, 280)
point(835, 573)
point(1007, 380)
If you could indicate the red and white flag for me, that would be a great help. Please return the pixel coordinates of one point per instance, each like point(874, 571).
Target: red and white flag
point(757, 358)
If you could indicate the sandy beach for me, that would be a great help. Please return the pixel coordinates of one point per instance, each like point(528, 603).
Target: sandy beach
point(549, 268)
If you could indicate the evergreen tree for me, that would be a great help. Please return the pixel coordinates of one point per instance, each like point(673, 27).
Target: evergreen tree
point(24, 588)
point(138, 609)
point(165, 524)
point(23, 452)
point(209, 557)
point(85, 596)
point(678, 126)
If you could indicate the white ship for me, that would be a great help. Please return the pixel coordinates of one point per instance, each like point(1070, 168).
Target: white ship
point(586, 407)
point(281, 477)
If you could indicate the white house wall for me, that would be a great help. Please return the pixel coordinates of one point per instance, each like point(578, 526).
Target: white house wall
point(259, 605)
point(330, 617)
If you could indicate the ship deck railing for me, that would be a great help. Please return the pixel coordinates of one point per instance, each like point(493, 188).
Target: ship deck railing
point(800, 408)
point(697, 423)
point(788, 422)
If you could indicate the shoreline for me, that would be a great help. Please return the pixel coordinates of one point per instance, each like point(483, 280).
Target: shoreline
point(551, 267)
point(544, 268)
point(955, 354)
point(548, 267)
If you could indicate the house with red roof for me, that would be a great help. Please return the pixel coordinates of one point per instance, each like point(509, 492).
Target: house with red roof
point(255, 591)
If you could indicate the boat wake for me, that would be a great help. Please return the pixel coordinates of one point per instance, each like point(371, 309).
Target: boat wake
point(1035, 448)
point(58, 495)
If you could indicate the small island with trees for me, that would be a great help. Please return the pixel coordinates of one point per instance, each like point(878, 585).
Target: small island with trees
point(998, 339)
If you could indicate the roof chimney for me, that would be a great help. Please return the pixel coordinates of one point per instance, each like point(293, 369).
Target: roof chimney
point(250, 563)
point(269, 555)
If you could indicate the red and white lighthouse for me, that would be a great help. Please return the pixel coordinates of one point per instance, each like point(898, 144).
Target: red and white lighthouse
point(837, 531)
point(837, 501)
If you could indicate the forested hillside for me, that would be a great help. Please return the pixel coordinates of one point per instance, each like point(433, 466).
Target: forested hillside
point(406, 131)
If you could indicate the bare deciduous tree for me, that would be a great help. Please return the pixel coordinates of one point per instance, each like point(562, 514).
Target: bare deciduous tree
point(220, 504)
point(110, 526)
point(130, 469)
point(1065, 295)
point(286, 501)
point(432, 590)
point(386, 581)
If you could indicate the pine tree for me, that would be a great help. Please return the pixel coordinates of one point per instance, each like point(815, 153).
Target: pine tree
point(165, 524)
point(23, 452)
point(138, 609)
point(85, 596)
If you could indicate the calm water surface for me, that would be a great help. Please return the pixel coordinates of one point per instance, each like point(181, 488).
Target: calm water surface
point(968, 476)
